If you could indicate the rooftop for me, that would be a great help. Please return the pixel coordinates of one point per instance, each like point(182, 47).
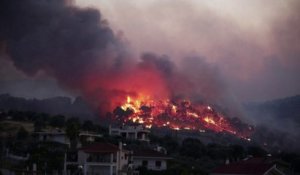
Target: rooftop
point(253, 166)
point(129, 127)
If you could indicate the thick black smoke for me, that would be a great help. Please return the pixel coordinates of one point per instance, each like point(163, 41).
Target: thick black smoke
point(79, 49)
point(55, 37)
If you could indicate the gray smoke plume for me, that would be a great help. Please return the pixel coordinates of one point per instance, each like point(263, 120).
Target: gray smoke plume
point(78, 48)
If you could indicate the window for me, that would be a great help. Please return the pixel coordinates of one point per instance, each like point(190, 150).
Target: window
point(158, 163)
point(145, 163)
point(72, 157)
point(114, 157)
point(114, 170)
point(123, 134)
point(98, 158)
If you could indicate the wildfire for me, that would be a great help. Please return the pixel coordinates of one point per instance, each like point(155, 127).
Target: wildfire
point(179, 115)
point(209, 120)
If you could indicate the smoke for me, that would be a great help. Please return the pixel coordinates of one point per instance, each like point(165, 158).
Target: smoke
point(58, 39)
point(242, 38)
point(78, 48)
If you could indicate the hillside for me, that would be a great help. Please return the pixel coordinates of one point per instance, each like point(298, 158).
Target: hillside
point(277, 123)
point(279, 109)
point(56, 105)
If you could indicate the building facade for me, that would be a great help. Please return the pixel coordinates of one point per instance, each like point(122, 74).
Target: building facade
point(98, 159)
point(130, 132)
point(150, 159)
point(52, 136)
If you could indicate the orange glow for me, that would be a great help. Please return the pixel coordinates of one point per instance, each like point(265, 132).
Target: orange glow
point(174, 109)
point(135, 84)
point(148, 126)
point(141, 93)
point(176, 115)
point(176, 128)
point(193, 114)
point(209, 120)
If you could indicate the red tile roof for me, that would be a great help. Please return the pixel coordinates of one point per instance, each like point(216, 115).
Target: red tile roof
point(252, 166)
point(100, 148)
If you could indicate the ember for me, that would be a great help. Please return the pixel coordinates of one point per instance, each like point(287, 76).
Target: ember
point(177, 115)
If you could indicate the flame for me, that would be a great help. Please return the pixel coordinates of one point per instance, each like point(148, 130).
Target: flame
point(148, 126)
point(177, 115)
point(193, 114)
point(174, 109)
point(209, 120)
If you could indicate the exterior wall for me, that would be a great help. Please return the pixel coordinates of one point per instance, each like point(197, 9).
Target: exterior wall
point(123, 160)
point(89, 137)
point(151, 165)
point(131, 132)
point(95, 169)
point(60, 138)
point(97, 163)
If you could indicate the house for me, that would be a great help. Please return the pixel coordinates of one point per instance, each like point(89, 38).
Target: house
point(52, 136)
point(253, 166)
point(150, 159)
point(98, 158)
point(88, 137)
point(130, 132)
point(61, 137)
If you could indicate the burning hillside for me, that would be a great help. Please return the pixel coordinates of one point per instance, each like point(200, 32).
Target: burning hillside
point(78, 48)
point(178, 115)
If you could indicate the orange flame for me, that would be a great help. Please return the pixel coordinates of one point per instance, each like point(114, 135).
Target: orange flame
point(177, 116)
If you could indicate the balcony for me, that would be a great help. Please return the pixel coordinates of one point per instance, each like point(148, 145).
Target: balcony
point(100, 158)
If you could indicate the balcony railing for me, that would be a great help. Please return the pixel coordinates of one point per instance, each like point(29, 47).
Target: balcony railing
point(102, 159)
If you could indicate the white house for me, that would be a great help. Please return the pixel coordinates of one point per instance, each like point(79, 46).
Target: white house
point(150, 159)
point(98, 159)
point(131, 132)
point(88, 137)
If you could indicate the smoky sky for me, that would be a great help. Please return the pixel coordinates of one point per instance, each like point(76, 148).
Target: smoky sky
point(255, 43)
point(52, 36)
point(217, 52)
point(78, 50)
point(57, 39)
